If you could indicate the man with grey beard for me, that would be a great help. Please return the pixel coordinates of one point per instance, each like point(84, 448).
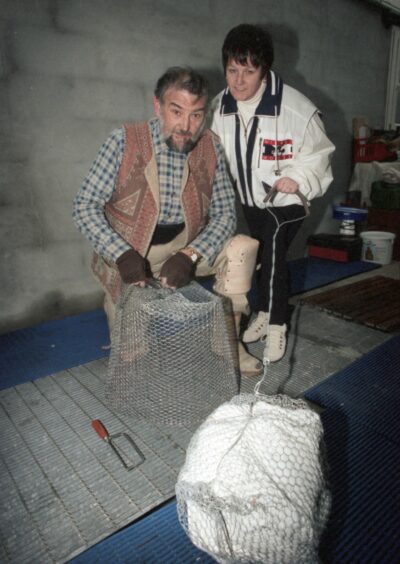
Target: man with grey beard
point(158, 202)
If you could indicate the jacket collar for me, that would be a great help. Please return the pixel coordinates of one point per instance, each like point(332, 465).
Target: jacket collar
point(271, 98)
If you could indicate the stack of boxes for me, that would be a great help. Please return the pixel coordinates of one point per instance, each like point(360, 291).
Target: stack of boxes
point(384, 213)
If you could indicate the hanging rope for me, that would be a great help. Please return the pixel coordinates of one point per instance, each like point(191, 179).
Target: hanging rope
point(271, 193)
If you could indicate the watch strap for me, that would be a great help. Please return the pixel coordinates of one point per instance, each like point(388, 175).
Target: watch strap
point(192, 253)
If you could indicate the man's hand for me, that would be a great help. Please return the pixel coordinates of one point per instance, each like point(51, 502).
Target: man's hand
point(132, 268)
point(177, 271)
point(286, 185)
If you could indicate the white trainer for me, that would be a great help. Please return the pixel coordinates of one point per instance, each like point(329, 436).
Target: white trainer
point(276, 344)
point(257, 328)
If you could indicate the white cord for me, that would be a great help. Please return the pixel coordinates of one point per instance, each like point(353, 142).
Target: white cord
point(266, 361)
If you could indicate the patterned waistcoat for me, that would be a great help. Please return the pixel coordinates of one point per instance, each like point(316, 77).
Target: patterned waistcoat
point(134, 207)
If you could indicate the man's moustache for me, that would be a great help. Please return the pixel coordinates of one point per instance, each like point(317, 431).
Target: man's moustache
point(185, 133)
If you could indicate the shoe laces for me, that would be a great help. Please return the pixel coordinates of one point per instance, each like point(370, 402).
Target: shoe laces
point(276, 337)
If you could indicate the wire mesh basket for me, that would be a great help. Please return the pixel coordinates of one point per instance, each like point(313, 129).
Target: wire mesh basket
point(254, 484)
point(174, 355)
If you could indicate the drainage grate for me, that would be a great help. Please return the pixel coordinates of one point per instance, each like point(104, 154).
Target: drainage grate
point(63, 489)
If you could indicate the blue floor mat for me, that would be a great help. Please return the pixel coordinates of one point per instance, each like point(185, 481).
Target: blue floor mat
point(310, 273)
point(156, 538)
point(368, 390)
point(44, 349)
point(364, 475)
point(362, 435)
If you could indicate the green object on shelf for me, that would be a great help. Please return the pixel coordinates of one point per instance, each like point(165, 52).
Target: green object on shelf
point(385, 195)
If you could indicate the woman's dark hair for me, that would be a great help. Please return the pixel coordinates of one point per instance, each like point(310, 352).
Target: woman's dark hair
point(248, 41)
point(181, 78)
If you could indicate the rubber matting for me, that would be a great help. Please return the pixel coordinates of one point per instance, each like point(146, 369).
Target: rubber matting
point(363, 445)
point(50, 347)
point(156, 538)
point(310, 272)
point(49, 458)
point(63, 488)
point(374, 302)
point(364, 474)
point(368, 390)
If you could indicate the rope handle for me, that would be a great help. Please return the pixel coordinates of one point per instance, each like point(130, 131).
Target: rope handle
point(272, 192)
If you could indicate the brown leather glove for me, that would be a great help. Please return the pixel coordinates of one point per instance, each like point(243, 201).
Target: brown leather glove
point(178, 270)
point(132, 267)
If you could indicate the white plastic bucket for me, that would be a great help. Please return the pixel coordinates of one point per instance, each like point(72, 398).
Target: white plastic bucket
point(377, 246)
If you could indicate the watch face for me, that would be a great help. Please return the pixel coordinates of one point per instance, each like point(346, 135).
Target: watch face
point(194, 257)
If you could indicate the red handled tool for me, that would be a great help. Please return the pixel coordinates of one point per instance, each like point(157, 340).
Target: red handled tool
point(122, 444)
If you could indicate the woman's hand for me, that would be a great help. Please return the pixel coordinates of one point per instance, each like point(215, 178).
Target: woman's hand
point(286, 185)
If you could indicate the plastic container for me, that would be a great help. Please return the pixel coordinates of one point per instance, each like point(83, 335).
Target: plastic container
point(377, 246)
point(349, 213)
point(366, 152)
point(385, 195)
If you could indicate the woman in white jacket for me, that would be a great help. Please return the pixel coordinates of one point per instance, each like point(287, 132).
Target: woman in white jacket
point(274, 141)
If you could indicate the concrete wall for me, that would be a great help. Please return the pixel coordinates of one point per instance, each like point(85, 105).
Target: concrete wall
point(71, 70)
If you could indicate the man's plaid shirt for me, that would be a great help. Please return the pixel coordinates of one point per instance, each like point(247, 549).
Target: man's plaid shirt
point(99, 185)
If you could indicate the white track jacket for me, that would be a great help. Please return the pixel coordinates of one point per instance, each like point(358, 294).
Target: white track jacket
point(286, 137)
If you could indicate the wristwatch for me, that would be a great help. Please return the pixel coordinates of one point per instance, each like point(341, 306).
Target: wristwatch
point(191, 253)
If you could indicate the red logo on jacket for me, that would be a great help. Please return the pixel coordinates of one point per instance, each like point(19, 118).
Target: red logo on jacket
point(273, 149)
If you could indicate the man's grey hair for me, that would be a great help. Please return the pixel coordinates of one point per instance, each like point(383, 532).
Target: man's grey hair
point(182, 78)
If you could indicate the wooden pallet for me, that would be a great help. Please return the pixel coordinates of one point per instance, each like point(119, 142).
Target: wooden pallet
point(374, 302)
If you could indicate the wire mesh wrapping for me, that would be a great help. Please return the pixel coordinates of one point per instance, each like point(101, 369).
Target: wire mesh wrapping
point(253, 487)
point(174, 354)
